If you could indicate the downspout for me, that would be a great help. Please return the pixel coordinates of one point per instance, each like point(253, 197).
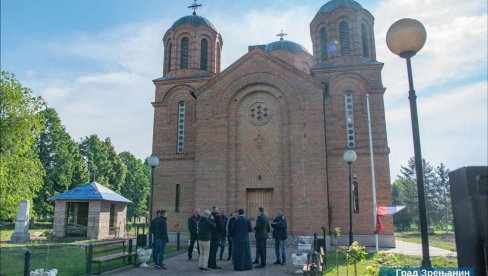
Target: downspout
point(324, 97)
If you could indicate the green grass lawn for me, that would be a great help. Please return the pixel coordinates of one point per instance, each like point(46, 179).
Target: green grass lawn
point(68, 258)
point(5, 234)
point(403, 261)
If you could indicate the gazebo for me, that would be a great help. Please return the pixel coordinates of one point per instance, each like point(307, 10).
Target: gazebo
point(92, 210)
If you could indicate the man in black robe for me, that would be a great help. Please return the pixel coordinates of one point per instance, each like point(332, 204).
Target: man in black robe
point(241, 249)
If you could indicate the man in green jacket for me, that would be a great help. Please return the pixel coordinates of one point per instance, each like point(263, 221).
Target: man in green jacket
point(205, 227)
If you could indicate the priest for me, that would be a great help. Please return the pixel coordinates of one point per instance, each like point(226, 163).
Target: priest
point(241, 248)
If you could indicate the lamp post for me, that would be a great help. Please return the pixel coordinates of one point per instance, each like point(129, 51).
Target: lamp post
point(153, 161)
point(405, 38)
point(350, 156)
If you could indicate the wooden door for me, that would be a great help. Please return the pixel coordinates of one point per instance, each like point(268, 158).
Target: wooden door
point(258, 198)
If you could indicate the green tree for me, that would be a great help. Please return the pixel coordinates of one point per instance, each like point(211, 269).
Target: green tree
point(404, 192)
point(62, 161)
point(437, 197)
point(444, 192)
point(104, 165)
point(21, 172)
point(136, 186)
point(400, 191)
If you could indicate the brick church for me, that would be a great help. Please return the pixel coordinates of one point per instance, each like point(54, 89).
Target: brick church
point(270, 130)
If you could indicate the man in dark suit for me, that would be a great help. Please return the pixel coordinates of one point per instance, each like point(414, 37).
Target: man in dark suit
point(193, 229)
point(214, 241)
point(241, 250)
point(262, 230)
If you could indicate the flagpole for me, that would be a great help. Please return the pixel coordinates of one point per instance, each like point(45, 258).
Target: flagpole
point(373, 180)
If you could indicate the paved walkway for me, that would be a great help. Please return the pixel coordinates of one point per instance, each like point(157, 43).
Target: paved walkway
point(415, 249)
point(180, 265)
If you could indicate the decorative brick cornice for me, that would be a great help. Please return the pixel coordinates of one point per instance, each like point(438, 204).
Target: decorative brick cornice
point(174, 157)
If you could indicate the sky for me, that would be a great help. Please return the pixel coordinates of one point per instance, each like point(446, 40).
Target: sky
point(94, 62)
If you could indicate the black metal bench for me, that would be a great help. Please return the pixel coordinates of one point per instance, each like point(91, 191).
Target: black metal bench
point(99, 253)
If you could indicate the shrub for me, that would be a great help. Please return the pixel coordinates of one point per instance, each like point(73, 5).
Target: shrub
point(49, 234)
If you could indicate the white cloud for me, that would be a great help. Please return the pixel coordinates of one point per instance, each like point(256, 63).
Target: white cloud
point(453, 128)
point(114, 100)
point(255, 27)
point(456, 46)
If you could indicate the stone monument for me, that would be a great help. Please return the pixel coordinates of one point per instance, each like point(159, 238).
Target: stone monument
point(21, 233)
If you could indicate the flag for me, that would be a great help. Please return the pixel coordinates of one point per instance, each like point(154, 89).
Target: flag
point(385, 211)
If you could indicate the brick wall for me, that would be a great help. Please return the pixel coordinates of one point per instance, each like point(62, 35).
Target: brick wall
point(298, 154)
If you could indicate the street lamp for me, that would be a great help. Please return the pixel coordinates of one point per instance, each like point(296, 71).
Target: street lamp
point(350, 156)
point(153, 161)
point(405, 38)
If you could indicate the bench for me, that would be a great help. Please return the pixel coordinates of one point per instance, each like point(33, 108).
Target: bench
point(107, 251)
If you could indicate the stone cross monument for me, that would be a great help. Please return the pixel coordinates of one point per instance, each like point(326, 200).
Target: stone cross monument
point(21, 233)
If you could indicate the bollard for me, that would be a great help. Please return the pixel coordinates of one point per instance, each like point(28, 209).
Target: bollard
point(178, 241)
point(89, 257)
point(27, 260)
point(130, 251)
point(315, 242)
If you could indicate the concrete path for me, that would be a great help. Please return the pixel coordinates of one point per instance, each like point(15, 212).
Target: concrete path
point(415, 249)
point(180, 265)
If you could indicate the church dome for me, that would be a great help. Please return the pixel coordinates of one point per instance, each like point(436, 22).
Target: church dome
point(193, 20)
point(285, 45)
point(336, 4)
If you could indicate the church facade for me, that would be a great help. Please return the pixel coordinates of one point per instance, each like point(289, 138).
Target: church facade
point(271, 129)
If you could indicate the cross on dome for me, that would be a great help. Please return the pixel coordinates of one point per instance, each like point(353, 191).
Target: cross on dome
point(195, 6)
point(281, 34)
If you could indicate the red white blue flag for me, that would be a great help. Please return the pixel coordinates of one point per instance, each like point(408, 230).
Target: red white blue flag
point(387, 210)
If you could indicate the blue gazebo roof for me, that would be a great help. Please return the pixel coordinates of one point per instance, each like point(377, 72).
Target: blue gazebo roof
point(91, 191)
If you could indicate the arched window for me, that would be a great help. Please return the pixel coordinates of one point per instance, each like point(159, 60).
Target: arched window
point(177, 199)
point(355, 194)
point(344, 36)
point(180, 142)
point(351, 134)
point(364, 38)
point(168, 64)
point(323, 44)
point(185, 44)
point(203, 54)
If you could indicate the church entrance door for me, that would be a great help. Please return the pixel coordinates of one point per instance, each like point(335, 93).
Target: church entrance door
point(259, 198)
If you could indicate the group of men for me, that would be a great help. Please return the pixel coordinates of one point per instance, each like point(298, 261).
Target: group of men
point(212, 229)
